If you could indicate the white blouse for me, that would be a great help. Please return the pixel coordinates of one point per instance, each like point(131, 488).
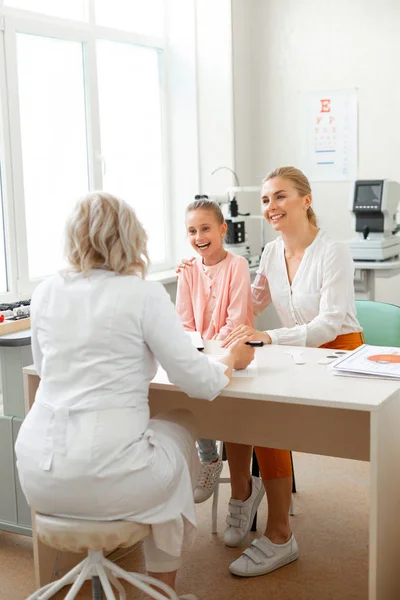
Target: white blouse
point(319, 305)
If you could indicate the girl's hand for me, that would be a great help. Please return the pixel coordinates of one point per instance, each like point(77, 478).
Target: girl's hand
point(185, 262)
point(242, 355)
point(244, 332)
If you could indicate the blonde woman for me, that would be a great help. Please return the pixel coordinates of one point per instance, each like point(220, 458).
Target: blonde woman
point(87, 448)
point(308, 277)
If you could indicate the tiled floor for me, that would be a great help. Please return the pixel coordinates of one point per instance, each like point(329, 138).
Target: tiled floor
point(331, 526)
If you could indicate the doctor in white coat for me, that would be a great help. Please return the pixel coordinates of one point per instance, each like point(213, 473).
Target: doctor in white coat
point(88, 447)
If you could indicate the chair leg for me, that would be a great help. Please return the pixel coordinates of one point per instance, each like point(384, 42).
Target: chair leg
point(79, 581)
point(98, 568)
point(49, 590)
point(214, 510)
point(255, 471)
point(142, 582)
point(104, 582)
point(291, 507)
point(116, 584)
point(97, 589)
point(294, 490)
point(223, 454)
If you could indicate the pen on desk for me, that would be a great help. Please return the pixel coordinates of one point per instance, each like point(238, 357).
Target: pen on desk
point(255, 344)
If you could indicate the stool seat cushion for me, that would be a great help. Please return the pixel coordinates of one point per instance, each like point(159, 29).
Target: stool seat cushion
point(79, 535)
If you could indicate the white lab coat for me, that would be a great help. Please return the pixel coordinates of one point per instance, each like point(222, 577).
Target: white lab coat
point(87, 448)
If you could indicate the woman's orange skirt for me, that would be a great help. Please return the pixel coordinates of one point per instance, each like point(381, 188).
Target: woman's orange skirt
point(277, 463)
point(347, 341)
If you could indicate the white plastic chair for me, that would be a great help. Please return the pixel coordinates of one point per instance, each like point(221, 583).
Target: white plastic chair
point(95, 537)
point(214, 509)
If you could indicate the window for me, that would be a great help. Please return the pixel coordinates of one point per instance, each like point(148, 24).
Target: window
point(131, 140)
point(53, 137)
point(3, 262)
point(83, 81)
point(143, 16)
point(67, 9)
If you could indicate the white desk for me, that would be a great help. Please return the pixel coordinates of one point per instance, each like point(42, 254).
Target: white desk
point(304, 408)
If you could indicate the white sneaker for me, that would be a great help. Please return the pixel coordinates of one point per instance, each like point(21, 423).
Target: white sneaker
point(241, 514)
point(263, 557)
point(207, 480)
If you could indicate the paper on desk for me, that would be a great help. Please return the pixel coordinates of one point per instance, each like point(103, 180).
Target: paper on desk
point(376, 362)
point(364, 375)
point(251, 371)
point(197, 340)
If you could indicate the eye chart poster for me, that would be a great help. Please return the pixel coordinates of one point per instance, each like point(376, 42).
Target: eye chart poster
point(331, 121)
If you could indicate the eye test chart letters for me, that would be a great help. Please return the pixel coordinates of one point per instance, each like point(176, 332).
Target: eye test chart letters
point(331, 135)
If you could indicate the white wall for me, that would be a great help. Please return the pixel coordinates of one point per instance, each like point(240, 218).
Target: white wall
point(201, 104)
point(282, 48)
point(215, 102)
point(246, 126)
point(183, 145)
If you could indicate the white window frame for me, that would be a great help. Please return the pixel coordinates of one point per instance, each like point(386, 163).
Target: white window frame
point(7, 185)
point(20, 21)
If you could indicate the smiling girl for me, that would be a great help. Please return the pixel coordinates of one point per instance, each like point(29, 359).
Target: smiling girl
point(213, 298)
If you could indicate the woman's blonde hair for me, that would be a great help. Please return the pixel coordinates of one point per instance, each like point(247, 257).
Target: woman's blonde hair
point(104, 232)
point(299, 181)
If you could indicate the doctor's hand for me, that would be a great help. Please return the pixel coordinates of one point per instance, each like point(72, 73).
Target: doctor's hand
point(242, 355)
point(246, 333)
point(239, 356)
point(185, 262)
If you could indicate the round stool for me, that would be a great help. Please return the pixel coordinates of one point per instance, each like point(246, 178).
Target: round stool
point(95, 537)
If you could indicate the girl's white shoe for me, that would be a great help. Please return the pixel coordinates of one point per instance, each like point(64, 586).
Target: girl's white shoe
point(207, 480)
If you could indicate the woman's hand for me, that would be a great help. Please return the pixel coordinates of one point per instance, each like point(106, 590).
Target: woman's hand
point(185, 262)
point(244, 332)
point(241, 353)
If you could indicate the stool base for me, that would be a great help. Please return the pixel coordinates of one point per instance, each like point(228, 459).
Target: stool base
point(96, 564)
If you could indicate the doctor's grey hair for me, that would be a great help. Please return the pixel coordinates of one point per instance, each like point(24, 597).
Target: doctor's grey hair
point(104, 232)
